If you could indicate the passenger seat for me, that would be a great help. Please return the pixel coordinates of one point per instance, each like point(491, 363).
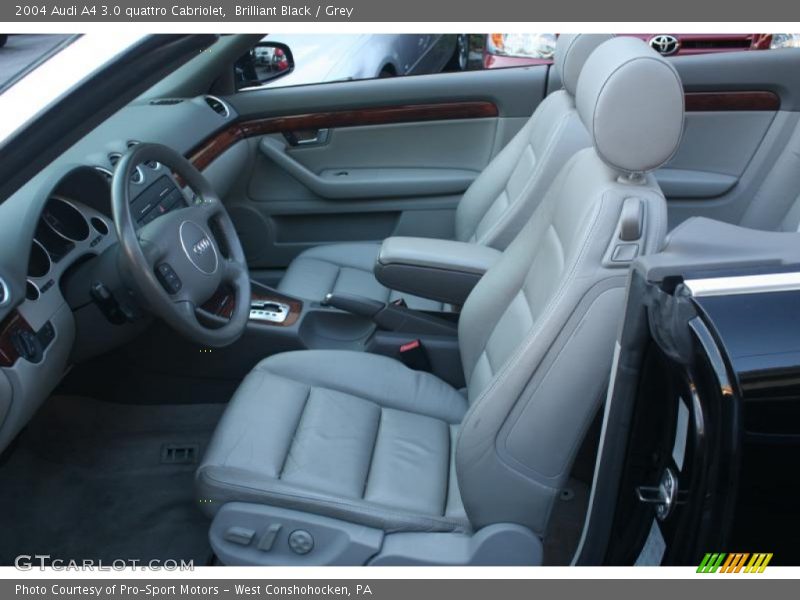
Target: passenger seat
point(494, 208)
point(776, 204)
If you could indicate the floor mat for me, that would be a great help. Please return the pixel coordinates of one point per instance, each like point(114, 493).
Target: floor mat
point(87, 479)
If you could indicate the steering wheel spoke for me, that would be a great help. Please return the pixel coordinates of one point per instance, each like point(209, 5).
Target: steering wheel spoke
point(154, 252)
point(187, 309)
point(208, 209)
point(233, 271)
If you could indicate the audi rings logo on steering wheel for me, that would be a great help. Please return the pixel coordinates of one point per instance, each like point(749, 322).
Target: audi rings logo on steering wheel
point(665, 45)
point(198, 247)
point(202, 246)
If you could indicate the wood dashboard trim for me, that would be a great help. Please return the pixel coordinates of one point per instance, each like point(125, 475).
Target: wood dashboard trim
point(731, 101)
point(210, 149)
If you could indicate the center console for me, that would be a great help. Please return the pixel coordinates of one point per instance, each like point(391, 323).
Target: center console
point(267, 306)
point(279, 323)
point(441, 270)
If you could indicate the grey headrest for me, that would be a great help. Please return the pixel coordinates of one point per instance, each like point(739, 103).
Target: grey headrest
point(631, 101)
point(572, 50)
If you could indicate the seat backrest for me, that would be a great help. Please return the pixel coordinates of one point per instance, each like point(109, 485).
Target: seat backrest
point(505, 194)
point(776, 204)
point(537, 333)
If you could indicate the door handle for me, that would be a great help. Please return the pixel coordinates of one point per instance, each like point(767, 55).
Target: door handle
point(348, 183)
point(313, 137)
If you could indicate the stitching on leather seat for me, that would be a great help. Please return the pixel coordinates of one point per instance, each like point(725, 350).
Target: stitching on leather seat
point(372, 452)
point(376, 401)
point(294, 433)
point(380, 513)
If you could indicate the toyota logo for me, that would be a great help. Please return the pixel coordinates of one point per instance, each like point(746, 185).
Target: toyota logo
point(664, 44)
point(202, 246)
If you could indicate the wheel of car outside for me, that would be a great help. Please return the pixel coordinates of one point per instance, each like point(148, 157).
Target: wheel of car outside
point(387, 71)
point(459, 61)
point(179, 260)
point(3, 39)
point(462, 51)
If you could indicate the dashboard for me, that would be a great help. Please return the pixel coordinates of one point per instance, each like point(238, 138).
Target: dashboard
point(57, 229)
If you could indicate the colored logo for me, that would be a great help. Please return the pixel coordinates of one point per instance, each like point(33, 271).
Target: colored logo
point(737, 562)
point(665, 44)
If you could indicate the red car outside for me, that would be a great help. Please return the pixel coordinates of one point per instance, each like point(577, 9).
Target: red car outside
point(517, 50)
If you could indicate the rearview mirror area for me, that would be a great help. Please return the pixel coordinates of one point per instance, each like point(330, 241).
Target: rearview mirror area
point(263, 63)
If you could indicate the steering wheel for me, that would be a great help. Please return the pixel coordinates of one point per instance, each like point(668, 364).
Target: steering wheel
point(179, 260)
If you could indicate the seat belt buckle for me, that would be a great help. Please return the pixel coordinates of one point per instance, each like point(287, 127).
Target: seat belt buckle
point(414, 356)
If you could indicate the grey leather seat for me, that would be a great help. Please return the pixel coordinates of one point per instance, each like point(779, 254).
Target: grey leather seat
point(364, 440)
point(492, 210)
point(775, 206)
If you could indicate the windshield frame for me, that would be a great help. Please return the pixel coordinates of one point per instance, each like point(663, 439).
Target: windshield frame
point(35, 64)
point(68, 116)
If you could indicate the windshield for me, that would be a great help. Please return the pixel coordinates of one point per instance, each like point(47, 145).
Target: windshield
point(55, 65)
point(21, 53)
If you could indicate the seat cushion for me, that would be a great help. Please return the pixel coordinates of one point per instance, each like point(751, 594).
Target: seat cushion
point(343, 268)
point(349, 435)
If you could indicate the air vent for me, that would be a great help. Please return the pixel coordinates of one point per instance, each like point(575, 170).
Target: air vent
point(218, 106)
point(137, 176)
point(105, 173)
point(5, 294)
point(166, 101)
point(32, 292)
point(179, 454)
point(132, 143)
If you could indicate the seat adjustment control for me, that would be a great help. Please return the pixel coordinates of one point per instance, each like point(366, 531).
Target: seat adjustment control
point(168, 278)
point(301, 541)
point(239, 535)
point(267, 540)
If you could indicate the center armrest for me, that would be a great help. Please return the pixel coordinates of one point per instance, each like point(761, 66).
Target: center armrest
point(442, 270)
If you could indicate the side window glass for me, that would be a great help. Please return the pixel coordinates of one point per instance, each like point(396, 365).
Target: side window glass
point(281, 60)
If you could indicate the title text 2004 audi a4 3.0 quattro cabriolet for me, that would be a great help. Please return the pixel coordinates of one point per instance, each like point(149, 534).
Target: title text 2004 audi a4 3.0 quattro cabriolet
point(528, 316)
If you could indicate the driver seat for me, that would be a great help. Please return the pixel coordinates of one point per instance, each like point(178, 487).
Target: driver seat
point(340, 457)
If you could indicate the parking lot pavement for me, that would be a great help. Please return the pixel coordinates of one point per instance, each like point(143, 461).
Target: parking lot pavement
point(22, 50)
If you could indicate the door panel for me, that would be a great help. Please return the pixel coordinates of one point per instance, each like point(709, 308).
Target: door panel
point(358, 156)
point(738, 108)
point(714, 153)
point(381, 157)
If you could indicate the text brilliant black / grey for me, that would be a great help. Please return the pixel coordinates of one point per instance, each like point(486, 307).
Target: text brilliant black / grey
point(255, 10)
